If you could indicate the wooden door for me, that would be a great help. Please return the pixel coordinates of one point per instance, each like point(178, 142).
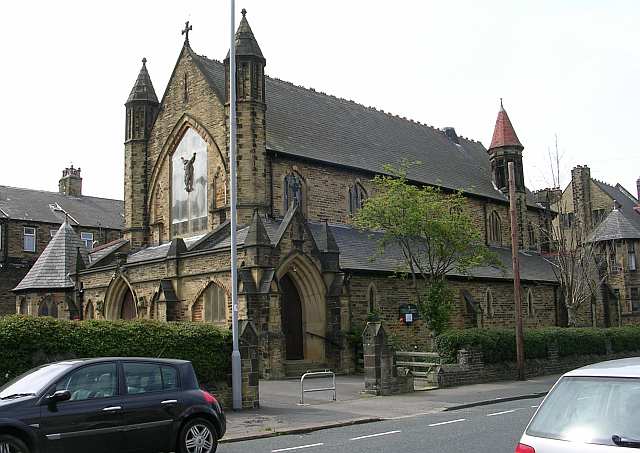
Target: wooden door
point(128, 309)
point(291, 319)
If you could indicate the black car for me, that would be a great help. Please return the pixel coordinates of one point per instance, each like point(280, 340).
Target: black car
point(109, 405)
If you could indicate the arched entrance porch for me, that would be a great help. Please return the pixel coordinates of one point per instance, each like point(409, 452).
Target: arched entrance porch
point(303, 309)
point(120, 301)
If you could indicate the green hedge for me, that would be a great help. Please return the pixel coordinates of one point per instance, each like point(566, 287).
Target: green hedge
point(26, 342)
point(498, 345)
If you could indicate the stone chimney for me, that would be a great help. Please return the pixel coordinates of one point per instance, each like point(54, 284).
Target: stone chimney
point(581, 185)
point(547, 197)
point(451, 134)
point(71, 182)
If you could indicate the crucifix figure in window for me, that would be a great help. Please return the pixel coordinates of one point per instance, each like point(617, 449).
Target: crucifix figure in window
point(188, 172)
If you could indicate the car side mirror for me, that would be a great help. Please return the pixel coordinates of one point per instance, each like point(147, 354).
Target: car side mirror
point(58, 396)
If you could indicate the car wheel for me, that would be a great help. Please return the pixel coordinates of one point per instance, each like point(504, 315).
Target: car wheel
point(11, 444)
point(197, 436)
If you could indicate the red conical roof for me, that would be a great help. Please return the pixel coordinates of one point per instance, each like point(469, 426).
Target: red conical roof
point(504, 134)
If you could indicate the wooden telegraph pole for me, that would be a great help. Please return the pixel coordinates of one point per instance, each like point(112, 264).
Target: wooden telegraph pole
point(516, 272)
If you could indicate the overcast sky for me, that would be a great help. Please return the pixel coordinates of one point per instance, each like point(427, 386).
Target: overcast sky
point(565, 67)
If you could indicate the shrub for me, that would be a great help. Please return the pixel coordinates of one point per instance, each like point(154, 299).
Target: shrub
point(498, 345)
point(26, 342)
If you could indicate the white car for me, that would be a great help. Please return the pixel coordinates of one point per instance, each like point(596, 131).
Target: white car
point(594, 409)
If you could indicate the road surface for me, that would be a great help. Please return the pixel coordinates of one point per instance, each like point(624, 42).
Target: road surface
point(494, 428)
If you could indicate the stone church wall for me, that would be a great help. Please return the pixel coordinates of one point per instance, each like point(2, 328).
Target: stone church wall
point(327, 198)
point(190, 277)
point(327, 188)
point(393, 292)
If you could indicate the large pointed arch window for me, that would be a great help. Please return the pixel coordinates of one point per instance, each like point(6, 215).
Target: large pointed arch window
point(48, 308)
point(189, 186)
point(211, 306)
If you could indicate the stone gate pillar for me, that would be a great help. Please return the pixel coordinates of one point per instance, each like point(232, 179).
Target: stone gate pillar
point(248, 339)
point(380, 373)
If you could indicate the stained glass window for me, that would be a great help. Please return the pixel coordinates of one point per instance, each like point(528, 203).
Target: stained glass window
point(189, 186)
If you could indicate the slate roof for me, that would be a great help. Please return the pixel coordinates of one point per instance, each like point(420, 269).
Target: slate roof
point(41, 206)
point(312, 125)
point(57, 261)
point(623, 222)
point(105, 250)
point(504, 134)
point(357, 250)
point(615, 226)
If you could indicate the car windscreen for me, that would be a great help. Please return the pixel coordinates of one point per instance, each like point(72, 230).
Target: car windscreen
point(590, 410)
point(33, 381)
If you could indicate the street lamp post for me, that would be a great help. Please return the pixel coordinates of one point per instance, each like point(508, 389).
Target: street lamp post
point(236, 366)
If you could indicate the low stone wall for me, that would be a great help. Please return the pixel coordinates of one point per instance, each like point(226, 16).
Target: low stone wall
point(471, 368)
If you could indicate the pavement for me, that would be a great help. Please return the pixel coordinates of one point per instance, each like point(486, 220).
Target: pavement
point(280, 414)
point(490, 428)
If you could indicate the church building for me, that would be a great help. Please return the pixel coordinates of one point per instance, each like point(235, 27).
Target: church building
point(307, 277)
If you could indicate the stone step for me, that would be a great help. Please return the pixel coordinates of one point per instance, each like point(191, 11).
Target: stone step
point(296, 368)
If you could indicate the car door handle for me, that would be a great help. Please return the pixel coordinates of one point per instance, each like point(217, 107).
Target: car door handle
point(169, 402)
point(111, 409)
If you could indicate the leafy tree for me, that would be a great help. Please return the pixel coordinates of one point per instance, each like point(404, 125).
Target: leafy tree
point(433, 230)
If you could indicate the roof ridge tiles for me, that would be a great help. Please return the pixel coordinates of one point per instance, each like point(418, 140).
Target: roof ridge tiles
point(53, 192)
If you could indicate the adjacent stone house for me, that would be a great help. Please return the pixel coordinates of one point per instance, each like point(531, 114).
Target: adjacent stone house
point(305, 163)
point(609, 216)
point(29, 219)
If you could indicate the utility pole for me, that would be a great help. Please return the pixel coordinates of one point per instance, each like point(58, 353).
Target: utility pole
point(236, 368)
point(516, 272)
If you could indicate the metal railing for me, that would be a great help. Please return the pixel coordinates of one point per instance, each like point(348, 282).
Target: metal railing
point(318, 374)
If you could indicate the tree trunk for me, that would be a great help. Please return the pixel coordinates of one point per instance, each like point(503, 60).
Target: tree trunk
point(571, 315)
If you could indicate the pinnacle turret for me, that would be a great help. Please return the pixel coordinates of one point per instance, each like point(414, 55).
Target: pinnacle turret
point(504, 134)
point(143, 88)
point(246, 43)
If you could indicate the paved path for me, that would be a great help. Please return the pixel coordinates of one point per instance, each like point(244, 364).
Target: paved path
point(280, 412)
point(493, 428)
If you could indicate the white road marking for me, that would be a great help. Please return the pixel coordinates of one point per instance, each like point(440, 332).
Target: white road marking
point(450, 421)
point(402, 417)
point(297, 448)
point(375, 435)
point(501, 413)
point(534, 407)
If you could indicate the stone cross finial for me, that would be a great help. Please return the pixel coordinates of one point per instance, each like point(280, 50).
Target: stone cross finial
point(187, 29)
point(244, 12)
point(144, 61)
